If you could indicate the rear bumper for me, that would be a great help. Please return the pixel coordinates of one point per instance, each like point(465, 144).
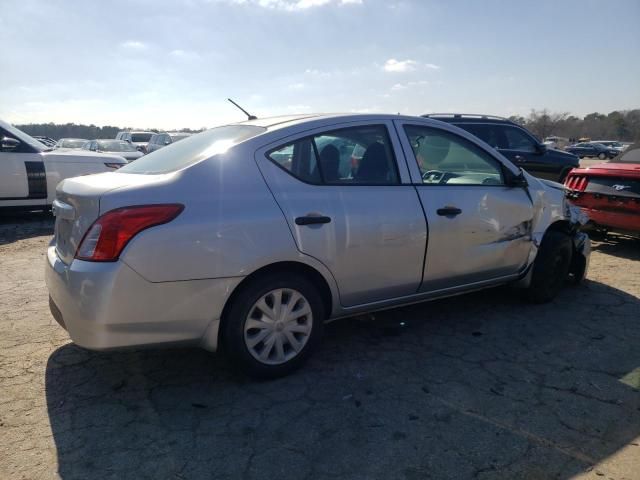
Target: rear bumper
point(618, 219)
point(626, 221)
point(109, 305)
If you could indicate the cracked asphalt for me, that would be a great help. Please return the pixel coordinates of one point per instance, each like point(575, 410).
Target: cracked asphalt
point(480, 386)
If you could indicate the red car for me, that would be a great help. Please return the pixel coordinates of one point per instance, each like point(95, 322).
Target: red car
point(609, 193)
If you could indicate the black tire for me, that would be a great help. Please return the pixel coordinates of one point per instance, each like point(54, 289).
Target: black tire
point(602, 156)
point(233, 323)
point(550, 268)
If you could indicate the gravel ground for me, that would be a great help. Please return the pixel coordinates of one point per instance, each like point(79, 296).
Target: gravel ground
point(479, 386)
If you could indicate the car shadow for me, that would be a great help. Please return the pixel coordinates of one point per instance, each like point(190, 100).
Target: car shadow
point(472, 386)
point(623, 246)
point(14, 227)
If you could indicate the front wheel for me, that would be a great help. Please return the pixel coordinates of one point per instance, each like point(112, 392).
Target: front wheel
point(273, 325)
point(602, 156)
point(550, 268)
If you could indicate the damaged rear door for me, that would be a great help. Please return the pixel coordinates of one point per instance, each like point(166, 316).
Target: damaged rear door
point(479, 229)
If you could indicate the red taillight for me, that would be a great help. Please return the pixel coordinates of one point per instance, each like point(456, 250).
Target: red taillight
point(577, 182)
point(110, 233)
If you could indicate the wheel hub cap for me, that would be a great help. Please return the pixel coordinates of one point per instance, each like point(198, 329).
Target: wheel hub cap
point(278, 326)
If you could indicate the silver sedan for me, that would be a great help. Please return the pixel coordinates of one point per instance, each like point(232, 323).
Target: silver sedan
point(253, 235)
point(115, 147)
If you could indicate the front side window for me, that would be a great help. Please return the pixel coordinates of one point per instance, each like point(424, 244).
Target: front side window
point(348, 156)
point(447, 159)
point(518, 140)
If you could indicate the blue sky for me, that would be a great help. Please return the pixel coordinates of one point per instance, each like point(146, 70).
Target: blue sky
point(168, 64)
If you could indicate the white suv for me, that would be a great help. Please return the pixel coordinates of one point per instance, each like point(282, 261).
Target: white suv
point(30, 171)
point(140, 140)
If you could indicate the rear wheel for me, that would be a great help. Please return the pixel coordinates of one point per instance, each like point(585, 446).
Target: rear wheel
point(273, 325)
point(550, 268)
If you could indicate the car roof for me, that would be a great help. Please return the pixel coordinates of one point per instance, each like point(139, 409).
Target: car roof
point(469, 118)
point(321, 119)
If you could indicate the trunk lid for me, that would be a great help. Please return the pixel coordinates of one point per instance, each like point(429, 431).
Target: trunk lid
point(77, 206)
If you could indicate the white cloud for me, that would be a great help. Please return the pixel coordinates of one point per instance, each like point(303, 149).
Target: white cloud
point(133, 45)
point(401, 66)
point(393, 65)
point(404, 86)
point(184, 54)
point(293, 5)
point(296, 86)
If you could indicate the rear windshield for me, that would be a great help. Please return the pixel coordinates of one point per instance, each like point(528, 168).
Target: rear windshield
point(115, 146)
point(141, 137)
point(193, 149)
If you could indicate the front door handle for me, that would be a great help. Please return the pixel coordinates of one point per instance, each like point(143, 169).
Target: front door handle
point(448, 211)
point(312, 220)
point(520, 158)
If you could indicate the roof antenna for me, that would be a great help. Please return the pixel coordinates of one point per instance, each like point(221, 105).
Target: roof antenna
point(249, 116)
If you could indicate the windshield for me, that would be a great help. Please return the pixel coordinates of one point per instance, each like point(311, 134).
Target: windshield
point(193, 149)
point(115, 146)
point(178, 136)
point(141, 137)
point(73, 143)
point(23, 137)
point(631, 155)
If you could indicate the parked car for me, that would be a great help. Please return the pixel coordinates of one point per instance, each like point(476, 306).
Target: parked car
point(138, 139)
point(159, 140)
point(29, 171)
point(46, 141)
point(556, 142)
point(590, 149)
point(251, 236)
point(619, 146)
point(114, 147)
point(609, 193)
point(71, 143)
point(516, 143)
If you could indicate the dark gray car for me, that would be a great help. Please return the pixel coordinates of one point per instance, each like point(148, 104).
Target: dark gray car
point(516, 143)
point(159, 140)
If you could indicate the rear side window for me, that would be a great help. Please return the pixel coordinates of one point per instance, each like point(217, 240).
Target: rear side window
point(193, 149)
point(348, 156)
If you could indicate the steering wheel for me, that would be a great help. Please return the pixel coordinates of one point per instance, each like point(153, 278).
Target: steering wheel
point(434, 176)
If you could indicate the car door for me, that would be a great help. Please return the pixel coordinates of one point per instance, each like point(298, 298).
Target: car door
point(479, 228)
point(22, 173)
point(347, 197)
point(526, 152)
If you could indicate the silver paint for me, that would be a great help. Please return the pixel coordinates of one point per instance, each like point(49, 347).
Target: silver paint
point(172, 282)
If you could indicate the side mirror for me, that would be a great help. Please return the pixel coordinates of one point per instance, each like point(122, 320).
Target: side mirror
point(516, 180)
point(541, 148)
point(9, 144)
point(167, 142)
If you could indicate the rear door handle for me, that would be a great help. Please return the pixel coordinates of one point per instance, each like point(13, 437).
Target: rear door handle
point(520, 158)
point(448, 211)
point(312, 220)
